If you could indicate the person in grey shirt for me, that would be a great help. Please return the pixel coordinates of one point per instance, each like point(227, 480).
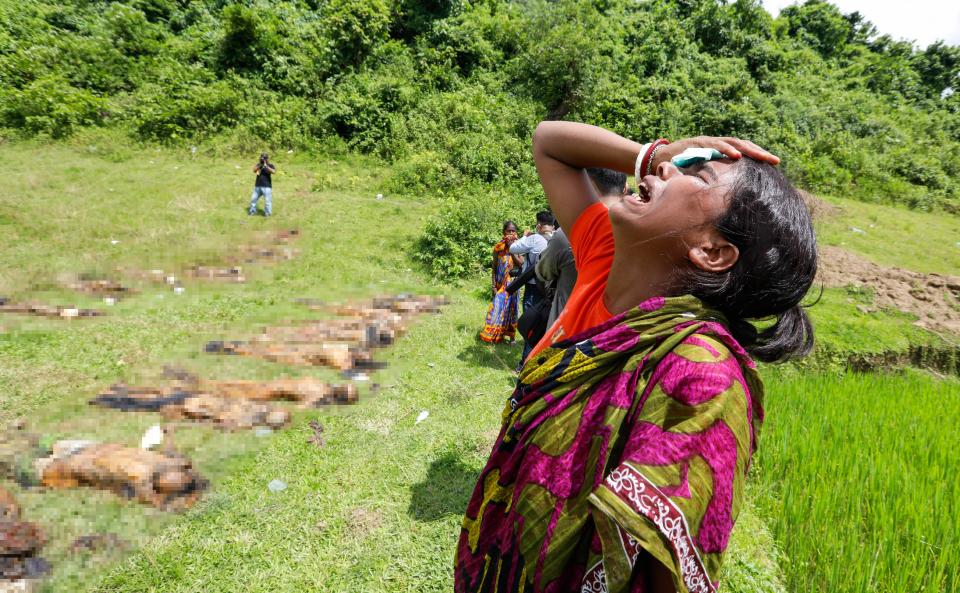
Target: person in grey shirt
point(557, 268)
point(556, 265)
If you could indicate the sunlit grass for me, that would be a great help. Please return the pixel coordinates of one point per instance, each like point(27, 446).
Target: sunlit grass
point(860, 481)
point(893, 236)
point(378, 508)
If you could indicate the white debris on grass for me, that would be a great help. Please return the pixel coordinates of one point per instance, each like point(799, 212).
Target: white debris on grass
point(379, 196)
point(113, 241)
point(178, 290)
point(263, 431)
point(277, 486)
point(423, 416)
point(152, 438)
point(110, 301)
point(858, 231)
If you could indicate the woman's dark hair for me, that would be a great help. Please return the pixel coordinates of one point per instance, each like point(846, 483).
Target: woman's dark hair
point(509, 223)
point(769, 223)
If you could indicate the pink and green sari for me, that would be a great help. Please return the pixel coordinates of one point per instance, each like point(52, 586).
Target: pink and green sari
point(633, 436)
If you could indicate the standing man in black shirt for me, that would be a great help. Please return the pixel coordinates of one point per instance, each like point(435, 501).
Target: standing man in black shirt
point(263, 186)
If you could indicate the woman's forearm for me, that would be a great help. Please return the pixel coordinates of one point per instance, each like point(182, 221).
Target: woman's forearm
point(582, 145)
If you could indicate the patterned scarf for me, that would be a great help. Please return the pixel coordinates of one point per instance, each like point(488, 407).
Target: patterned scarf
point(635, 435)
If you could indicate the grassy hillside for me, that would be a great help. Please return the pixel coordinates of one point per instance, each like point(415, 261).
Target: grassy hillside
point(893, 237)
point(378, 507)
point(449, 90)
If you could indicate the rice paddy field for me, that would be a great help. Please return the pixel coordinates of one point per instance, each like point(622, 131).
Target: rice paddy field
point(859, 481)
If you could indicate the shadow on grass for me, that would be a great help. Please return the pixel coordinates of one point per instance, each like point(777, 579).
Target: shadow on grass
point(445, 491)
point(494, 356)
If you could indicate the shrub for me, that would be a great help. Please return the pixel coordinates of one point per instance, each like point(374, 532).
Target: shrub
point(248, 38)
point(50, 106)
point(459, 238)
point(192, 109)
point(355, 27)
point(424, 172)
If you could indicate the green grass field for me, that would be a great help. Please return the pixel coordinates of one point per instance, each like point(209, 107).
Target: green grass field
point(860, 478)
point(891, 236)
point(378, 507)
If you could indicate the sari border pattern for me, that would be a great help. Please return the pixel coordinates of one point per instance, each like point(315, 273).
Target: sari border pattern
point(595, 580)
point(643, 496)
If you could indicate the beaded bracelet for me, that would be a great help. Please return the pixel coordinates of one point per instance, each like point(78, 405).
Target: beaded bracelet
point(645, 157)
point(653, 154)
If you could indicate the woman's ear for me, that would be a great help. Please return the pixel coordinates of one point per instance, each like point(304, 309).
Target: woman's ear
point(714, 254)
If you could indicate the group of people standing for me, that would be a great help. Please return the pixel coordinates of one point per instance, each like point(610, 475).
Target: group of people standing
point(540, 263)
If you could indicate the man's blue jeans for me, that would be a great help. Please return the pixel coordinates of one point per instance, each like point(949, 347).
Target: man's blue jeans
point(267, 193)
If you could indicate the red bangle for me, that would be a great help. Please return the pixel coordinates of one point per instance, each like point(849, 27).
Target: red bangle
point(645, 163)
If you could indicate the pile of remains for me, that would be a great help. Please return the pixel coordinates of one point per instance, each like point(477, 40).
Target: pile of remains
point(278, 250)
point(163, 480)
point(20, 542)
point(343, 343)
point(63, 312)
point(231, 274)
point(230, 405)
point(99, 287)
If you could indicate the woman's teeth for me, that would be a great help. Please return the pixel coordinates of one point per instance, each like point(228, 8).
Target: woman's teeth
point(643, 194)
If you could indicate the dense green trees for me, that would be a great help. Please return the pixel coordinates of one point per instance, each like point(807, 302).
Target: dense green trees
point(450, 90)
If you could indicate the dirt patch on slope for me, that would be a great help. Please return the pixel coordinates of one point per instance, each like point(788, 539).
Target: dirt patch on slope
point(362, 521)
point(933, 298)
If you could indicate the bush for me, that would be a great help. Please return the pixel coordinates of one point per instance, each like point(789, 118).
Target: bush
point(355, 27)
point(458, 240)
point(50, 106)
point(424, 172)
point(248, 38)
point(192, 109)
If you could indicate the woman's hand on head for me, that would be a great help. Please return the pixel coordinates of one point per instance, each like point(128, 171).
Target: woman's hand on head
point(735, 148)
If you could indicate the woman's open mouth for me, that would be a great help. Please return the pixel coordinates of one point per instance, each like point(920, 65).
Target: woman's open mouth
point(643, 192)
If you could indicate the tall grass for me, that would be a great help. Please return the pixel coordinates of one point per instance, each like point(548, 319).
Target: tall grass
point(860, 473)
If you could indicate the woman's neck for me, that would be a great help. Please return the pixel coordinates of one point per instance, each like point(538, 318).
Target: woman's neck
point(634, 278)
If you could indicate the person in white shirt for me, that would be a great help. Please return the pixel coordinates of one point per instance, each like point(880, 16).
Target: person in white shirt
point(530, 247)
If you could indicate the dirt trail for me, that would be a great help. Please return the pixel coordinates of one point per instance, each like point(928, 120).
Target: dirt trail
point(933, 298)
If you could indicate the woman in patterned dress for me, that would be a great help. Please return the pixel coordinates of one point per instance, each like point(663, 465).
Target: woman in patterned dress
point(624, 448)
point(501, 321)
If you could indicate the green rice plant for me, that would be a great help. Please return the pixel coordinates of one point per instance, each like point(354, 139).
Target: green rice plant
point(859, 479)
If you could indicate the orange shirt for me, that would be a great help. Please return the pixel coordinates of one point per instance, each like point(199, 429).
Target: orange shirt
point(592, 242)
